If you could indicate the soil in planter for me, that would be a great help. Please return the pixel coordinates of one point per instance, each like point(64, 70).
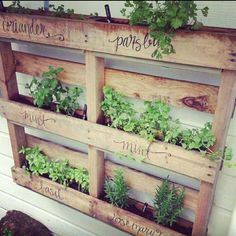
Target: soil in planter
point(182, 226)
point(20, 224)
point(29, 101)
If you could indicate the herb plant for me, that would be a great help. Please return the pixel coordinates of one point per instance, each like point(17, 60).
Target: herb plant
point(155, 123)
point(168, 203)
point(163, 18)
point(117, 190)
point(16, 7)
point(50, 90)
point(58, 171)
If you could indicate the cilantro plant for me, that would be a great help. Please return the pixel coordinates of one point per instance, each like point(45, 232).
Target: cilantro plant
point(16, 7)
point(163, 18)
point(168, 203)
point(117, 190)
point(58, 171)
point(50, 90)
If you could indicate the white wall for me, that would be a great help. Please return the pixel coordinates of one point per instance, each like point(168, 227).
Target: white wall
point(63, 220)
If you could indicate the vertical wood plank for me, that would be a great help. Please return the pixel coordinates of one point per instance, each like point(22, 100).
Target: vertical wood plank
point(221, 121)
point(94, 85)
point(9, 89)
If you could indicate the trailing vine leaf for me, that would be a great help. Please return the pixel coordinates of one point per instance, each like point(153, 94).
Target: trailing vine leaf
point(163, 19)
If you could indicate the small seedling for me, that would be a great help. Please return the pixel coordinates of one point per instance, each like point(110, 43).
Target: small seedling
point(117, 190)
point(16, 7)
point(168, 203)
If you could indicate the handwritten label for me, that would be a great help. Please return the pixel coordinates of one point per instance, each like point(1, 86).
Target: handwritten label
point(30, 29)
point(141, 151)
point(137, 228)
point(134, 42)
point(37, 119)
point(50, 191)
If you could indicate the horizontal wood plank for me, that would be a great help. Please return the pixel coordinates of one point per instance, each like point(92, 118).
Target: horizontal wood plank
point(209, 47)
point(160, 154)
point(91, 206)
point(176, 93)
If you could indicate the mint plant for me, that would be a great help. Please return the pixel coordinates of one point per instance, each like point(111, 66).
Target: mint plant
point(58, 171)
point(117, 190)
point(163, 19)
point(50, 90)
point(168, 203)
point(69, 103)
point(155, 123)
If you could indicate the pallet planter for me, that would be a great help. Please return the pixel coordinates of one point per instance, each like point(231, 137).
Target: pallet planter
point(208, 47)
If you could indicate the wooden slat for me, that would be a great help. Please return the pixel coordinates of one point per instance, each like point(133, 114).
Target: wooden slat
point(221, 121)
point(208, 48)
point(9, 90)
point(148, 184)
point(57, 152)
point(176, 93)
point(94, 95)
point(160, 154)
point(92, 206)
point(74, 73)
point(135, 179)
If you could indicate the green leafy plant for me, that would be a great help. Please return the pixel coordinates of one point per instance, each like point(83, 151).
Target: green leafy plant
point(16, 7)
point(168, 203)
point(163, 18)
point(69, 103)
point(58, 171)
point(7, 232)
point(117, 190)
point(45, 91)
point(155, 123)
point(50, 90)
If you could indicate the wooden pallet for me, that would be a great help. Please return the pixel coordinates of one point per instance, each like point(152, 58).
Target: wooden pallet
point(209, 47)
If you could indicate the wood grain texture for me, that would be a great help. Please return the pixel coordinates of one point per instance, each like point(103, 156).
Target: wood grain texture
point(57, 152)
point(74, 73)
point(176, 93)
point(94, 96)
point(9, 90)
point(209, 47)
point(148, 184)
point(221, 121)
point(92, 206)
point(160, 154)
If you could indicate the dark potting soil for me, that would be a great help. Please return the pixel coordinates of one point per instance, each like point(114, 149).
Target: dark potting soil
point(19, 224)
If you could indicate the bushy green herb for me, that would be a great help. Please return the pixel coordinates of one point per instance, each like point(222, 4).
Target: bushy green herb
point(50, 89)
point(117, 190)
point(168, 203)
point(163, 18)
point(155, 123)
point(69, 103)
point(58, 171)
point(16, 7)
point(7, 232)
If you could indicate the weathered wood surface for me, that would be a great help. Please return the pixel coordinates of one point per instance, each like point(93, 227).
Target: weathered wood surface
point(57, 152)
point(135, 179)
point(160, 154)
point(176, 93)
point(74, 73)
point(94, 96)
point(209, 47)
point(9, 90)
point(221, 121)
point(94, 207)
